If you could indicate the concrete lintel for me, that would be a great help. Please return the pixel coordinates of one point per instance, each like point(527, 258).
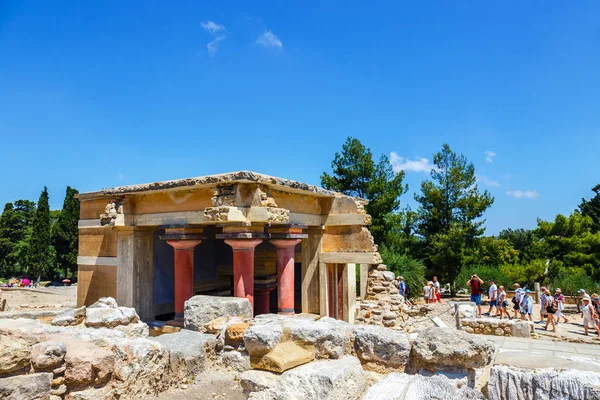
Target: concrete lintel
point(90, 260)
point(242, 235)
point(90, 223)
point(305, 219)
point(346, 219)
point(172, 218)
point(350, 258)
point(288, 235)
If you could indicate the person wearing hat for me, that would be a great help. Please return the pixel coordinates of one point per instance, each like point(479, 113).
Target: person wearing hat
point(516, 300)
point(596, 304)
point(493, 296)
point(583, 295)
point(543, 305)
point(559, 299)
point(527, 306)
point(589, 316)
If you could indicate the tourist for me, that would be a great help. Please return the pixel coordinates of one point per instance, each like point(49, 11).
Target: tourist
point(559, 298)
point(401, 286)
point(589, 316)
point(583, 295)
point(438, 293)
point(493, 296)
point(475, 284)
point(527, 306)
point(427, 292)
point(516, 300)
point(543, 305)
point(550, 309)
point(597, 310)
point(503, 303)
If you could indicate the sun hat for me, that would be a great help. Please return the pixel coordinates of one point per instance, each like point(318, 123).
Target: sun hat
point(528, 291)
point(596, 298)
point(586, 299)
point(581, 291)
point(558, 290)
point(400, 277)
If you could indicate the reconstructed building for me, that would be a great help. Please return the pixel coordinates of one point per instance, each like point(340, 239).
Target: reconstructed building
point(286, 246)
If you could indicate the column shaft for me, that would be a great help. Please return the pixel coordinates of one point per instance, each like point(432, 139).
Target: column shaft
point(285, 274)
point(184, 274)
point(243, 267)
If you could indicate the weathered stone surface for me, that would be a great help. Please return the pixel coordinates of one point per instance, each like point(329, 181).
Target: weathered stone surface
point(91, 394)
point(30, 387)
point(109, 317)
point(105, 302)
point(87, 363)
point(74, 316)
point(188, 351)
point(14, 355)
point(437, 347)
point(284, 356)
point(256, 381)
point(215, 325)
point(234, 360)
point(508, 383)
point(134, 330)
point(417, 387)
point(521, 329)
point(234, 333)
point(320, 380)
point(199, 310)
point(47, 355)
point(381, 348)
point(142, 365)
point(260, 339)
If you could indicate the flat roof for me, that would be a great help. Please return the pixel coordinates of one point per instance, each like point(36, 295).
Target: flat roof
point(286, 185)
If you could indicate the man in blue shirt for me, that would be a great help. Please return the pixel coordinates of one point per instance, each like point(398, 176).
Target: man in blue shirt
point(401, 286)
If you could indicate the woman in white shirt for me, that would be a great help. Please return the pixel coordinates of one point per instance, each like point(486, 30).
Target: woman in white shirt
point(503, 303)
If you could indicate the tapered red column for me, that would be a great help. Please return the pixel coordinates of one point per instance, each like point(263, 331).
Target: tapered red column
point(184, 274)
point(243, 267)
point(285, 274)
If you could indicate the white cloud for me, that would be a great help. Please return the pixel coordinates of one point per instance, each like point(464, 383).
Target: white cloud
point(489, 155)
point(219, 32)
point(523, 194)
point(484, 180)
point(419, 164)
point(269, 39)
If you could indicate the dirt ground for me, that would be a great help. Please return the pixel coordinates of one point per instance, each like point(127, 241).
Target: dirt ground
point(210, 385)
point(51, 298)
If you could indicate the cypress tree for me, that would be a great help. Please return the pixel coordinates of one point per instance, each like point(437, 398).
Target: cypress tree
point(40, 242)
point(66, 233)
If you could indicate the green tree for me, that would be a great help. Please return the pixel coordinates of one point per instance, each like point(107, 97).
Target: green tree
point(450, 211)
point(591, 208)
point(355, 173)
point(40, 259)
point(15, 231)
point(66, 234)
point(525, 242)
point(492, 251)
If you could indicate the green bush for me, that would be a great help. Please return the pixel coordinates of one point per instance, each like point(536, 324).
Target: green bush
point(571, 281)
point(525, 274)
point(412, 270)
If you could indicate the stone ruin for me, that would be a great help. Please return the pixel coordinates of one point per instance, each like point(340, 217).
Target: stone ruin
point(384, 306)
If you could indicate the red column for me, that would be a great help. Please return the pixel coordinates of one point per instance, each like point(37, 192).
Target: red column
point(184, 274)
point(285, 274)
point(243, 267)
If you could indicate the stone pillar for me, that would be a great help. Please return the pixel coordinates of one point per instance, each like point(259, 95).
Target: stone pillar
point(349, 285)
point(285, 274)
point(364, 276)
point(184, 240)
point(243, 267)
point(537, 290)
point(135, 269)
point(184, 274)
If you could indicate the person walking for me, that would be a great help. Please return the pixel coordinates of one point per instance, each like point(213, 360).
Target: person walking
point(596, 305)
point(543, 305)
point(527, 306)
point(438, 293)
point(475, 284)
point(403, 290)
point(550, 310)
point(503, 303)
point(493, 296)
point(589, 317)
point(516, 300)
point(559, 298)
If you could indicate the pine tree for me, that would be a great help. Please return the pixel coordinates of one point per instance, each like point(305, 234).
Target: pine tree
point(66, 233)
point(591, 208)
point(40, 242)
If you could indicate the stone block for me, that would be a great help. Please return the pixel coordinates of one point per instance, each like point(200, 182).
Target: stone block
point(14, 355)
point(30, 387)
point(200, 310)
point(47, 355)
point(380, 348)
point(284, 356)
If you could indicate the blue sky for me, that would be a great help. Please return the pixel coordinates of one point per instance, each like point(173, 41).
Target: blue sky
point(100, 94)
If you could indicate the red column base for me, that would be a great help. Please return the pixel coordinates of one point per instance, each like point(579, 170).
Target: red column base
point(262, 297)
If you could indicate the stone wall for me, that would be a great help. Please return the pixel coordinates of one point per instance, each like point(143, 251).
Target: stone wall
point(382, 305)
point(497, 327)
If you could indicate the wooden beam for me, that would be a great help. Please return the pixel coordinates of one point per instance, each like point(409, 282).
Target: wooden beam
point(323, 293)
point(364, 276)
point(350, 258)
point(311, 247)
point(349, 284)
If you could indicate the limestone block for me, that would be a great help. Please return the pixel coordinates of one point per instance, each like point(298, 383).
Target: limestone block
point(255, 380)
point(47, 355)
point(234, 360)
point(380, 348)
point(522, 329)
point(397, 386)
point(87, 363)
point(438, 348)
point(284, 356)
point(199, 310)
point(30, 387)
point(74, 316)
point(14, 355)
point(234, 333)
